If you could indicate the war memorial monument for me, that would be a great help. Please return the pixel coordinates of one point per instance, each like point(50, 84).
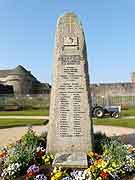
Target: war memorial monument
point(70, 134)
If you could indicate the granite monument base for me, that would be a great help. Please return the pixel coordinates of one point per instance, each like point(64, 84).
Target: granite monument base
point(71, 160)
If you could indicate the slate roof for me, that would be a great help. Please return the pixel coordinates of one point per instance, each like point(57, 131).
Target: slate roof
point(18, 70)
point(46, 85)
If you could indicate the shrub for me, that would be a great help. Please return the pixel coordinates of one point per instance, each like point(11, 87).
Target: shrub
point(30, 138)
point(99, 139)
point(115, 152)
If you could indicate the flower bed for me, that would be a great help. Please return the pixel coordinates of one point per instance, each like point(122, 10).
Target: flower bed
point(27, 160)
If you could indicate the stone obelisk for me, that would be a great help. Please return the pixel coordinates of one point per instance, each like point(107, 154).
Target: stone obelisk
point(70, 125)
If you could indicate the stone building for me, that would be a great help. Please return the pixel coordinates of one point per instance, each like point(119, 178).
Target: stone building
point(133, 77)
point(22, 82)
point(6, 89)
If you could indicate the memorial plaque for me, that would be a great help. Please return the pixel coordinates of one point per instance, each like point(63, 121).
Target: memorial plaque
point(70, 125)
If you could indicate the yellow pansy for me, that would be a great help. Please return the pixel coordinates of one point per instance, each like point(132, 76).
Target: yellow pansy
point(10, 146)
point(57, 176)
point(99, 161)
point(91, 153)
point(91, 168)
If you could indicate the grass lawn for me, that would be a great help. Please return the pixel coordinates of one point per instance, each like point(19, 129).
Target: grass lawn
point(5, 123)
point(130, 123)
point(129, 112)
point(43, 112)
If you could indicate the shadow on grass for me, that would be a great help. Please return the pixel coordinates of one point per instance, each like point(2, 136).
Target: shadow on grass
point(30, 124)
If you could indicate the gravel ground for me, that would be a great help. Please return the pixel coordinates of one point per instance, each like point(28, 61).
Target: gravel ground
point(10, 135)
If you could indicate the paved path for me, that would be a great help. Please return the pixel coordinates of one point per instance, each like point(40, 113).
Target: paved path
point(10, 135)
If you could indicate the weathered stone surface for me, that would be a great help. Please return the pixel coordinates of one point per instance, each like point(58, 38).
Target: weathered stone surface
point(129, 177)
point(70, 127)
point(75, 159)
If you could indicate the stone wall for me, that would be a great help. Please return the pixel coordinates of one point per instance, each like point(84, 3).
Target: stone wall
point(113, 89)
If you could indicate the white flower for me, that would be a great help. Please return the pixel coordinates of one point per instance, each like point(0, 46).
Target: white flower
point(42, 149)
point(41, 177)
point(38, 148)
point(55, 170)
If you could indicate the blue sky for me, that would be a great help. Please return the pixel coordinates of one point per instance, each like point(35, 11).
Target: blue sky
point(27, 30)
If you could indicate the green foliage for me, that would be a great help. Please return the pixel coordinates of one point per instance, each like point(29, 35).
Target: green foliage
point(99, 139)
point(43, 139)
point(30, 138)
point(115, 152)
point(45, 122)
point(23, 153)
point(43, 135)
